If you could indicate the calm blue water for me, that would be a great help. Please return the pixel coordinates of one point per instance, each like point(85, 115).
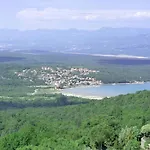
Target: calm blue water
point(108, 90)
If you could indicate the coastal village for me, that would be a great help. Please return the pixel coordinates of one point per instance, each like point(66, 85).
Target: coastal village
point(60, 78)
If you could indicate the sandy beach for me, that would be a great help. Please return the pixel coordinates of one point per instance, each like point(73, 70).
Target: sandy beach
point(83, 96)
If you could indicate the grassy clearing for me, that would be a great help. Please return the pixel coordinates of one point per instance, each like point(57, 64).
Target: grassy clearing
point(42, 91)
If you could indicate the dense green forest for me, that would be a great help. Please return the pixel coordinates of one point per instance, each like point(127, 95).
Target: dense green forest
point(57, 122)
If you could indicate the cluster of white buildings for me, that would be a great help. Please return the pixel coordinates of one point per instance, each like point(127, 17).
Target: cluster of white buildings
point(61, 77)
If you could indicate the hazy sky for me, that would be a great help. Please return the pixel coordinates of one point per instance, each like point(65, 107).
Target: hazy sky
point(82, 14)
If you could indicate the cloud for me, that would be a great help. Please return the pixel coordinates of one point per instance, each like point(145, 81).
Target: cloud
point(143, 14)
point(66, 14)
point(33, 18)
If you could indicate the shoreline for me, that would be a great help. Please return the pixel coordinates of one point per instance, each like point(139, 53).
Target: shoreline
point(83, 96)
point(103, 84)
point(82, 86)
point(92, 97)
point(108, 55)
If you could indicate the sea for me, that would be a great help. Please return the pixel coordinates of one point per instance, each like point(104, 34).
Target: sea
point(107, 90)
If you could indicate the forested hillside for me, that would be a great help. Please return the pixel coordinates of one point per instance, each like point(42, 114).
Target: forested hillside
point(113, 123)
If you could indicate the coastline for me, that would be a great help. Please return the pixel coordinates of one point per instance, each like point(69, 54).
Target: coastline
point(107, 55)
point(82, 96)
point(83, 86)
point(92, 97)
point(102, 84)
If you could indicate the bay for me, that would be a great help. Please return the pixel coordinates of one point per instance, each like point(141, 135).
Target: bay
point(107, 90)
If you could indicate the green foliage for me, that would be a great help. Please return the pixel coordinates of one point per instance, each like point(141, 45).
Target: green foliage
point(128, 138)
point(113, 123)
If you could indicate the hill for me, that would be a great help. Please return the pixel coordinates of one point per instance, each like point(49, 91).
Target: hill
point(114, 123)
point(110, 41)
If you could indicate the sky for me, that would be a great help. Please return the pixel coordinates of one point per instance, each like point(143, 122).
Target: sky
point(80, 14)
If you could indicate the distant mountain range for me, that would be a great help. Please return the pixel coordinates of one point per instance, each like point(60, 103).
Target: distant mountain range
point(105, 41)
